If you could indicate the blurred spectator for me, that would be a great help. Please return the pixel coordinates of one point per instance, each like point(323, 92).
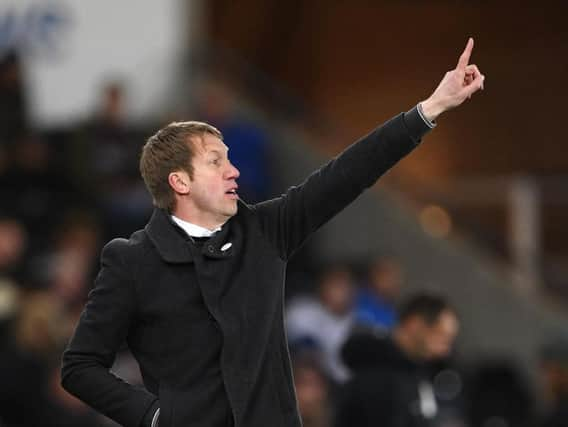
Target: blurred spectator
point(554, 371)
point(12, 98)
point(324, 322)
point(376, 302)
point(35, 192)
point(71, 264)
point(312, 391)
point(13, 242)
point(247, 142)
point(110, 152)
point(30, 355)
point(499, 396)
point(392, 374)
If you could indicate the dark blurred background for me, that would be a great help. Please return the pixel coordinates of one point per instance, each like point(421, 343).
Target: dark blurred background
point(477, 214)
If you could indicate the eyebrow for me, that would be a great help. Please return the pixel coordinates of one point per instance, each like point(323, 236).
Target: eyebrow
point(217, 152)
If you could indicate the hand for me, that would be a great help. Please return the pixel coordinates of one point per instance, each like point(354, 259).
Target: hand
point(456, 86)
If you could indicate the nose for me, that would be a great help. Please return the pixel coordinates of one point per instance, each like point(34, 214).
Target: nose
point(232, 172)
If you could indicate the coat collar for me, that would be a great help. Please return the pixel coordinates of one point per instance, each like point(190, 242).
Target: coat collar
point(174, 245)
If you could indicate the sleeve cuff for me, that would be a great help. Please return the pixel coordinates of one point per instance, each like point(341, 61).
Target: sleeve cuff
point(417, 124)
point(430, 124)
point(151, 416)
point(155, 419)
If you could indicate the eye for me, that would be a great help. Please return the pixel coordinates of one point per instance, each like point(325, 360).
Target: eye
point(215, 161)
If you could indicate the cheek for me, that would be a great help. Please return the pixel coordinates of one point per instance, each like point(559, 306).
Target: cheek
point(211, 188)
point(441, 346)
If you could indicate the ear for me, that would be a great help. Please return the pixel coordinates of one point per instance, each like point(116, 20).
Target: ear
point(179, 181)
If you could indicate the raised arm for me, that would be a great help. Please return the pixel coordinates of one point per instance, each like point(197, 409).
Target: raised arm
point(288, 220)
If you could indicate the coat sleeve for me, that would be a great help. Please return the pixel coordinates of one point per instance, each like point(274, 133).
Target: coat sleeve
point(288, 220)
point(102, 328)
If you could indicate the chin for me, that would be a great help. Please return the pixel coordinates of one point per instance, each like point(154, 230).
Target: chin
point(232, 211)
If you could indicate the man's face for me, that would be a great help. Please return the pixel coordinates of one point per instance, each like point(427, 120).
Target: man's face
point(386, 278)
point(435, 341)
point(213, 188)
point(336, 292)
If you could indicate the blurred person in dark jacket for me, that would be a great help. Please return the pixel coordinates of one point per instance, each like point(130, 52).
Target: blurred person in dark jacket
point(13, 109)
point(34, 190)
point(499, 395)
point(554, 372)
point(109, 148)
point(392, 374)
point(198, 293)
point(29, 397)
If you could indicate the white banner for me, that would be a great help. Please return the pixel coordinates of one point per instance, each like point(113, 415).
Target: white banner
point(71, 48)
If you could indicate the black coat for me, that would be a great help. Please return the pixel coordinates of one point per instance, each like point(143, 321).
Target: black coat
point(206, 325)
point(383, 390)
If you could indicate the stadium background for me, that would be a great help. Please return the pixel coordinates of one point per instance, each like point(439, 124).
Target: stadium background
point(476, 213)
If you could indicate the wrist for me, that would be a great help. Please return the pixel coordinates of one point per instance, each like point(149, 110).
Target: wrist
point(431, 109)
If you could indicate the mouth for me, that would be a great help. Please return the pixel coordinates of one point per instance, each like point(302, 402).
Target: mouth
point(232, 193)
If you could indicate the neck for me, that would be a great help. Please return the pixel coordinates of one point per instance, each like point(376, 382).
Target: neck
point(207, 222)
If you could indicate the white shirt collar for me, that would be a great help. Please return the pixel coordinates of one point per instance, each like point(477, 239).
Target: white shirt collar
point(194, 230)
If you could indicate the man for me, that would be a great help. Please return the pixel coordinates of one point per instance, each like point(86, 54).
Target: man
point(553, 369)
point(323, 323)
point(391, 384)
point(198, 294)
point(375, 303)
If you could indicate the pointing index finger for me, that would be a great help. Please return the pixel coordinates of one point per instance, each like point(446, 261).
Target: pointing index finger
point(464, 58)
